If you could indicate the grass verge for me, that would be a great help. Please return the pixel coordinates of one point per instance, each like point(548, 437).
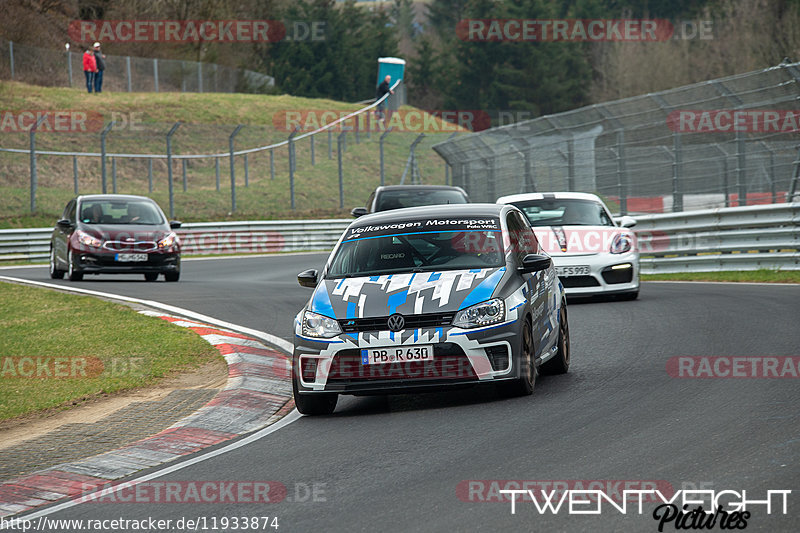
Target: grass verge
point(753, 276)
point(61, 349)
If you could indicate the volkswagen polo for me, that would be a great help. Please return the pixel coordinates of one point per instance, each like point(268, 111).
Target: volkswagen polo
point(429, 298)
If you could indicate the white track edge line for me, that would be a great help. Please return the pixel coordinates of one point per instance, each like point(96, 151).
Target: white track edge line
point(285, 421)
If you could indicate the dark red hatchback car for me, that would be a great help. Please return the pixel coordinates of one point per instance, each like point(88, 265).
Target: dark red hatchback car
point(115, 234)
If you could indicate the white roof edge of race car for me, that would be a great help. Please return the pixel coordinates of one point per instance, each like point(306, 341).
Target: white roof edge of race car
point(540, 195)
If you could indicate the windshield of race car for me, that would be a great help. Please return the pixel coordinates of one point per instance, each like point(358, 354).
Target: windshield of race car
point(565, 212)
point(398, 198)
point(419, 246)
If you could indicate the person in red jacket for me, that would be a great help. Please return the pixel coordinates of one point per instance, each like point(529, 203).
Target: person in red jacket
point(89, 68)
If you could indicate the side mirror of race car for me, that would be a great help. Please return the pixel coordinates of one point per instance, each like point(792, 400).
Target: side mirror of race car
point(307, 278)
point(535, 263)
point(358, 212)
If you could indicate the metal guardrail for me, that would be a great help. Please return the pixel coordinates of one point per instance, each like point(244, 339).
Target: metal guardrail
point(203, 238)
point(736, 238)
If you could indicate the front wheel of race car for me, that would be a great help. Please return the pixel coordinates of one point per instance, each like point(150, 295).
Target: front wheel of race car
point(559, 364)
point(523, 386)
point(314, 404)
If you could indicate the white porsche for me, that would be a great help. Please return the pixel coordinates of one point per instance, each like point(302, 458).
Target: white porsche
point(593, 253)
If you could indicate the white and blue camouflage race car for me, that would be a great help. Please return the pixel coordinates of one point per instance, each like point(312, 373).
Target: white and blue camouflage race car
point(427, 298)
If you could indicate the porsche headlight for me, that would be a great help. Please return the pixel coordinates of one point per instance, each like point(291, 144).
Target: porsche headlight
point(168, 241)
point(482, 314)
point(316, 325)
point(622, 243)
point(88, 240)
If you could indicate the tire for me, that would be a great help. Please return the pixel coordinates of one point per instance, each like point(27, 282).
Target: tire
point(72, 273)
point(314, 404)
point(150, 276)
point(524, 385)
point(172, 276)
point(560, 363)
point(55, 273)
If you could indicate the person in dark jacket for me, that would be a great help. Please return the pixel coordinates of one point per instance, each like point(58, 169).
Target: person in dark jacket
point(89, 68)
point(101, 66)
point(383, 88)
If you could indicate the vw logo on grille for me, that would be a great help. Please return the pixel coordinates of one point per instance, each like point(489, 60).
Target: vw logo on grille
point(396, 322)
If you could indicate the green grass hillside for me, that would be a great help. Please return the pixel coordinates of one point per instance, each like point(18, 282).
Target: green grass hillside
point(208, 120)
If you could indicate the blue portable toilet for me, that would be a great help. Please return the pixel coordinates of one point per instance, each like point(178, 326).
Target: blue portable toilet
point(394, 67)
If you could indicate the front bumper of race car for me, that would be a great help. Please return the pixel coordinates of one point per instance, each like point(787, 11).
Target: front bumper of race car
point(431, 358)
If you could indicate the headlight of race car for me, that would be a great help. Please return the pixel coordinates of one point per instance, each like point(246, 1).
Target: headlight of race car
point(482, 314)
point(316, 325)
point(168, 241)
point(622, 243)
point(88, 240)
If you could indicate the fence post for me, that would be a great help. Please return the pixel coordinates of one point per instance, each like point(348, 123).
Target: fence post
point(382, 137)
point(128, 72)
point(149, 174)
point(34, 175)
point(795, 178)
point(155, 78)
point(114, 175)
point(339, 141)
point(526, 171)
point(330, 150)
point(291, 166)
point(358, 119)
point(571, 164)
point(246, 172)
point(313, 158)
point(490, 186)
point(272, 163)
point(773, 192)
point(169, 169)
point(412, 160)
point(622, 175)
point(725, 180)
point(447, 168)
point(75, 174)
point(233, 172)
point(216, 171)
point(677, 172)
point(103, 154)
point(741, 163)
point(11, 53)
point(69, 66)
point(183, 172)
point(199, 77)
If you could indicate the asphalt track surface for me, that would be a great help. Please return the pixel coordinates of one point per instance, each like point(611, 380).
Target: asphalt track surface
point(395, 463)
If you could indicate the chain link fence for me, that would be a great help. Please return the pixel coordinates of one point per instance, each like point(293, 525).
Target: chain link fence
point(197, 170)
point(42, 66)
point(725, 142)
